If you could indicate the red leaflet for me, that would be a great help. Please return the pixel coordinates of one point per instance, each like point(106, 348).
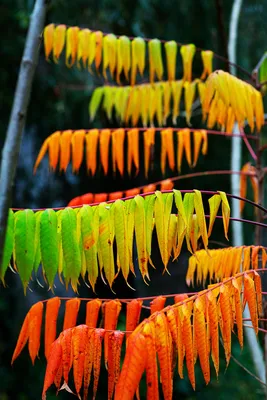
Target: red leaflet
point(133, 312)
point(71, 313)
point(52, 308)
point(88, 361)
point(79, 342)
point(53, 364)
point(66, 340)
point(115, 340)
point(180, 297)
point(99, 335)
point(111, 311)
point(22, 339)
point(35, 324)
point(157, 304)
point(92, 311)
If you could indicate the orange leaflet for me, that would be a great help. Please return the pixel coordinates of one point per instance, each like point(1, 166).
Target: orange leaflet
point(41, 154)
point(118, 150)
point(133, 367)
point(149, 188)
point(133, 312)
point(226, 320)
point(151, 363)
point(72, 45)
point(149, 141)
point(59, 41)
point(100, 197)
point(167, 184)
point(77, 143)
point(163, 347)
point(48, 40)
point(91, 150)
point(22, 339)
point(92, 311)
point(243, 184)
point(115, 195)
point(79, 341)
point(52, 308)
point(99, 45)
point(53, 364)
point(200, 337)
point(111, 311)
point(115, 340)
point(99, 334)
point(35, 325)
point(250, 297)
point(71, 312)
point(238, 310)
point(167, 149)
point(65, 144)
point(258, 288)
point(188, 342)
point(133, 150)
point(88, 361)
point(255, 256)
point(180, 297)
point(172, 322)
point(213, 330)
point(104, 148)
point(157, 304)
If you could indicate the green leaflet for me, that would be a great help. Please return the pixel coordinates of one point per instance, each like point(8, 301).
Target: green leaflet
point(162, 209)
point(214, 204)
point(49, 244)
point(90, 233)
point(24, 244)
point(130, 212)
point(225, 213)
point(61, 262)
point(106, 238)
point(181, 221)
point(121, 236)
point(189, 210)
point(155, 59)
point(108, 102)
point(8, 246)
point(70, 246)
point(149, 210)
point(172, 236)
point(201, 220)
point(95, 102)
point(37, 247)
point(140, 235)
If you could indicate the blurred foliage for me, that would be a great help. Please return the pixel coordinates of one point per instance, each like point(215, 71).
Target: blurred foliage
point(56, 105)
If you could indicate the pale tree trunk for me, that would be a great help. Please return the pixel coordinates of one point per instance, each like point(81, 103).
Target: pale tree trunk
point(17, 120)
point(236, 155)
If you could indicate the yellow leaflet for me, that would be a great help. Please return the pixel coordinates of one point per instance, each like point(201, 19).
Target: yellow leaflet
point(225, 213)
point(201, 87)
point(130, 211)
point(72, 45)
point(159, 104)
point(92, 49)
point(106, 238)
point(140, 235)
point(95, 102)
point(155, 60)
point(121, 236)
point(138, 57)
point(176, 88)
point(48, 39)
point(213, 112)
point(166, 88)
point(194, 233)
point(172, 236)
point(214, 204)
point(187, 53)
point(201, 220)
point(83, 46)
point(171, 53)
point(109, 54)
point(207, 57)
point(144, 104)
point(162, 209)
point(190, 91)
point(136, 106)
point(123, 57)
point(149, 211)
point(209, 93)
point(122, 105)
point(98, 50)
point(152, 104)
point(188, 203)
point(181, 221)
point(130, 104)
point(59, 41)
point(109, 99)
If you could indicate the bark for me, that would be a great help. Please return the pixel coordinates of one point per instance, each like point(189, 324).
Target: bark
point(18, 115)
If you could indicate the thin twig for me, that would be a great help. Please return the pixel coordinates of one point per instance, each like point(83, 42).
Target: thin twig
point(247, 370)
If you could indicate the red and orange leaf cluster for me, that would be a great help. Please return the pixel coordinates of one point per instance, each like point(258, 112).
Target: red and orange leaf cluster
point(91, 198)
point(63, 146)
point(223, 263)
point(181, 333)
point(119, 55)
point(249, 171)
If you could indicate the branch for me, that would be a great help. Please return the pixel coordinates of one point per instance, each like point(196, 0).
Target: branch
point(16, 125)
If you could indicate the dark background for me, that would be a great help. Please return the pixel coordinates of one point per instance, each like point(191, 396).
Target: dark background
point(59, 101)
